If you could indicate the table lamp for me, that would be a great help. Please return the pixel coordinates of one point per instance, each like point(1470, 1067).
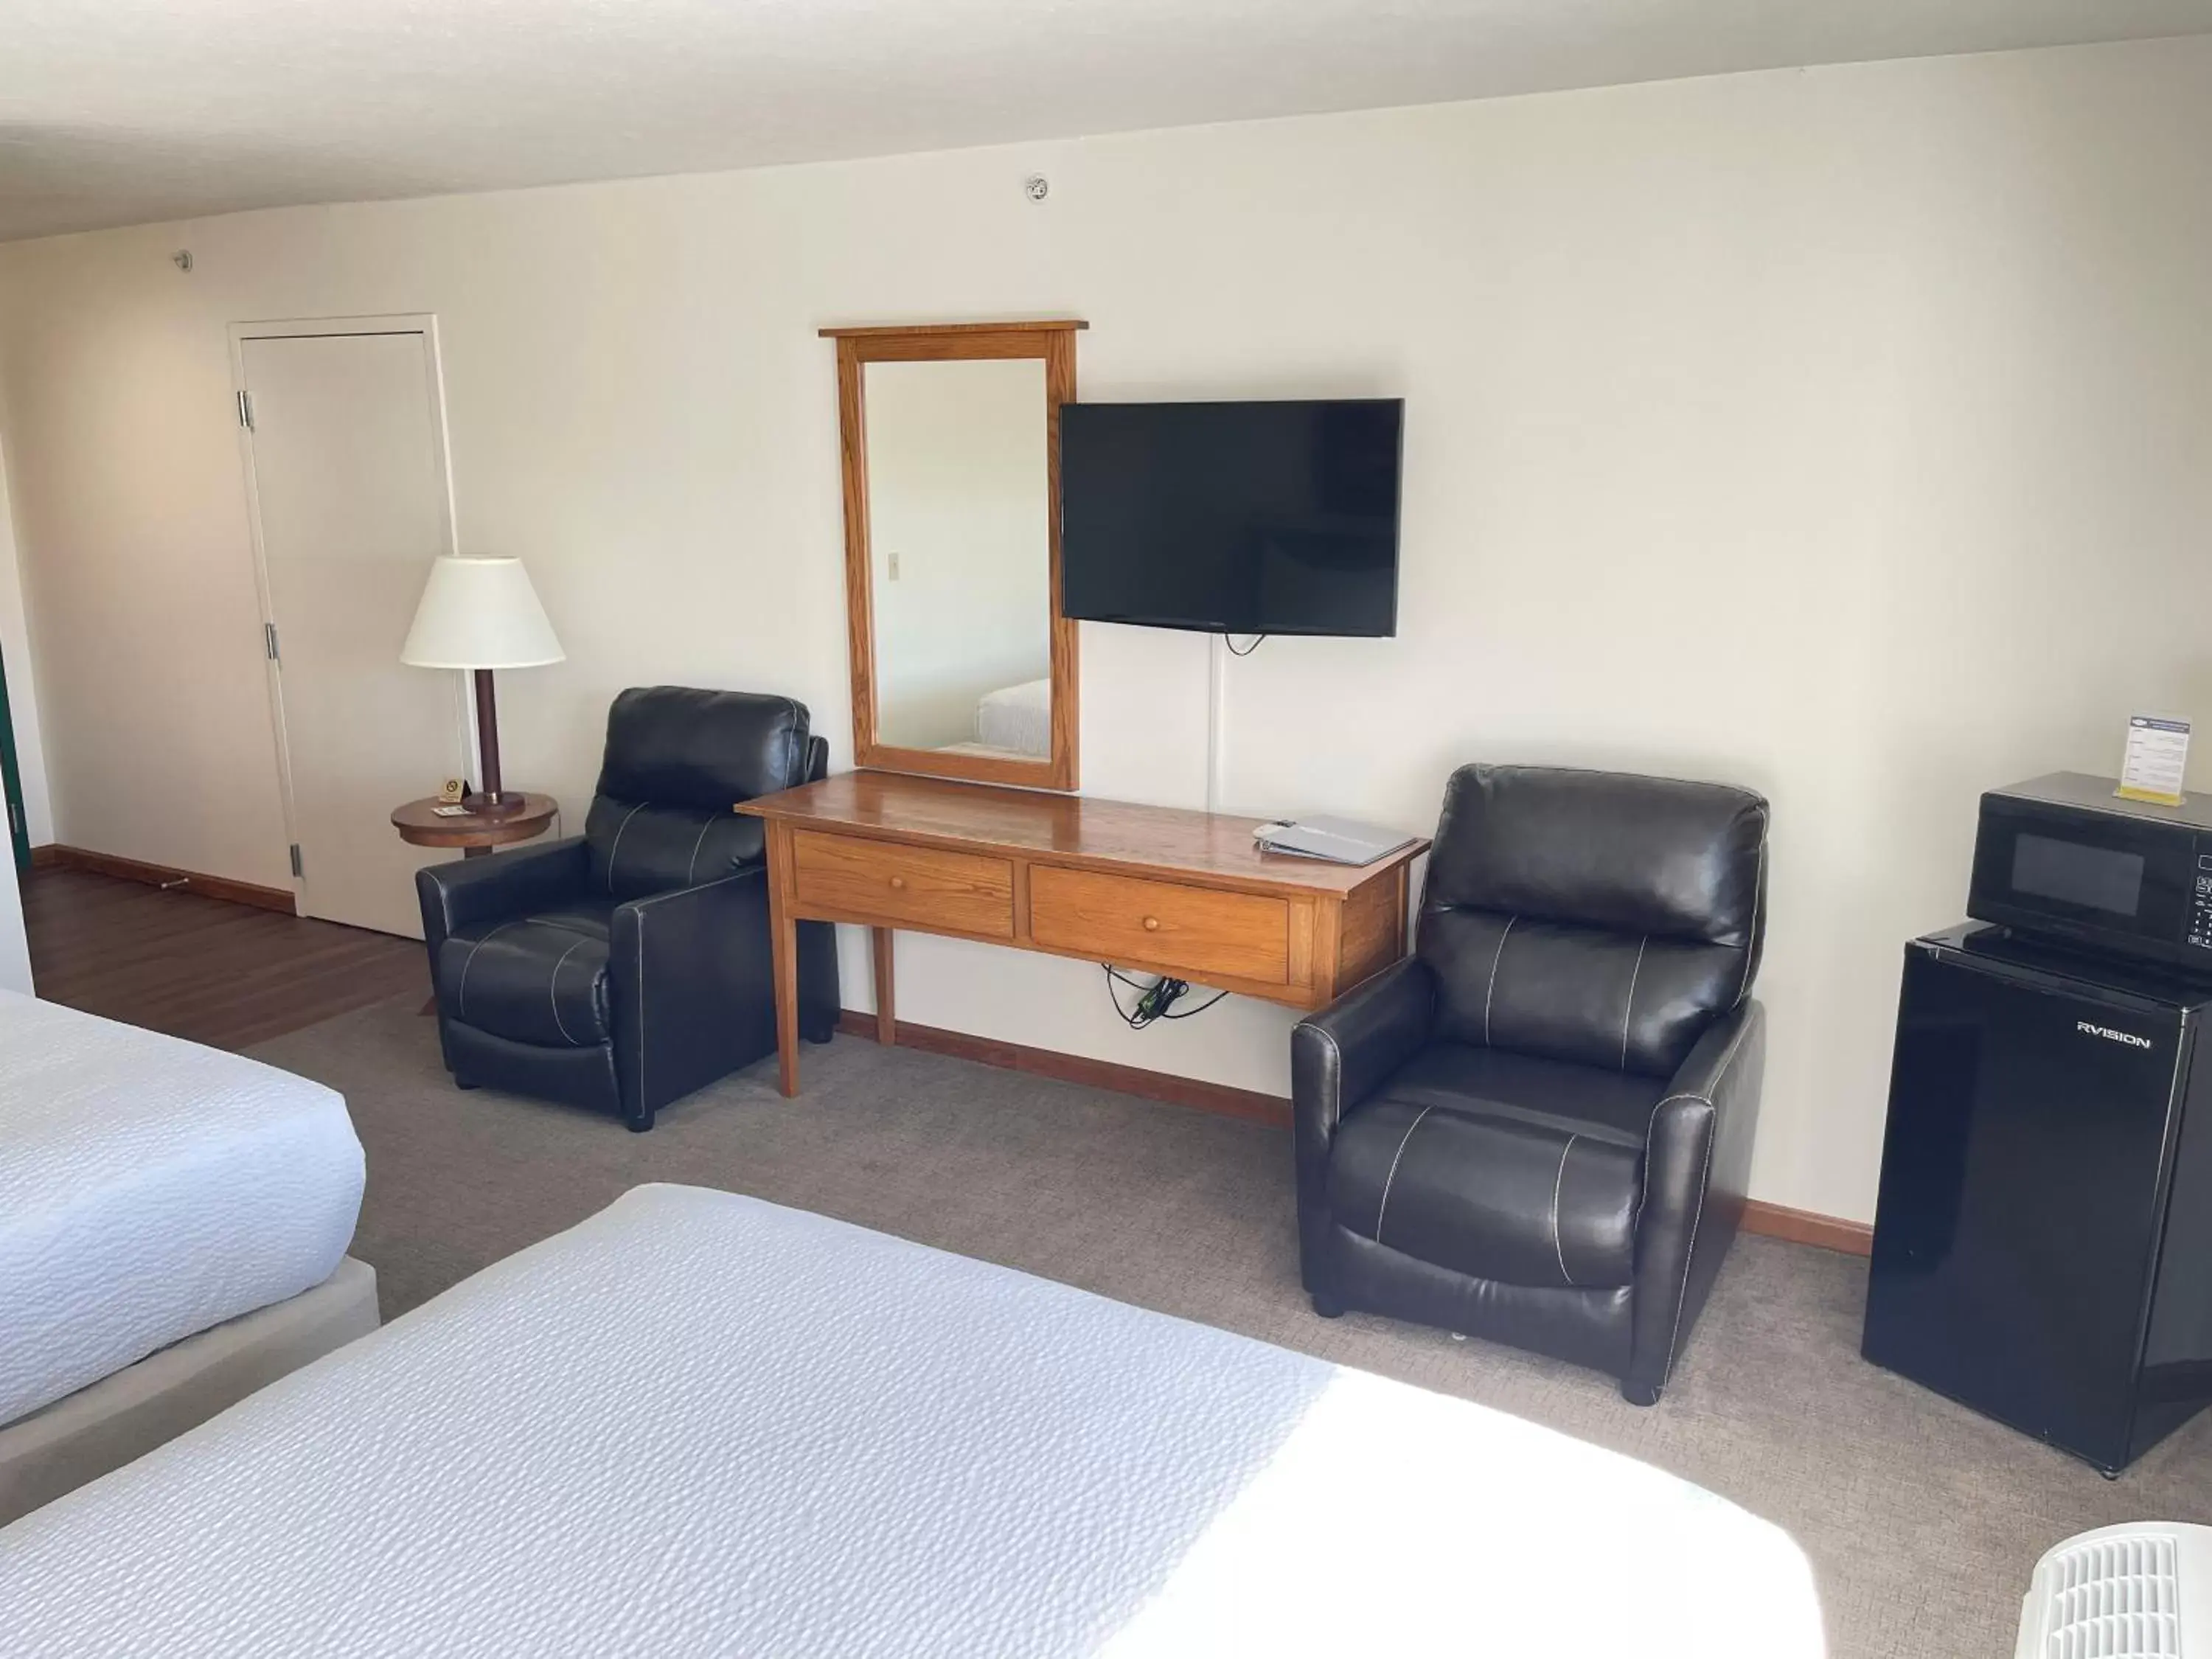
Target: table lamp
point(480, 614)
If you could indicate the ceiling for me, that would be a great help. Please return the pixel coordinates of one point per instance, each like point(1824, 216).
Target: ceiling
point(120, 112)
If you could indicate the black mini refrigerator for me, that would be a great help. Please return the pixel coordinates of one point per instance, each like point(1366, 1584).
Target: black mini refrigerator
point(2043, 1242)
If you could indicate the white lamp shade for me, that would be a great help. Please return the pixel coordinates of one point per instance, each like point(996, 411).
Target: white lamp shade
point(480, 613)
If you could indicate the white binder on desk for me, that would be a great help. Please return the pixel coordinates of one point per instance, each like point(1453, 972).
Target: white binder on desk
point(1339, 841)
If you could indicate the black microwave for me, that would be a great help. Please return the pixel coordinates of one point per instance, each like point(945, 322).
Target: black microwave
point(2065, 858)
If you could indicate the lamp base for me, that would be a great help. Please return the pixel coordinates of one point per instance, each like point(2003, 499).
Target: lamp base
point(494, 806)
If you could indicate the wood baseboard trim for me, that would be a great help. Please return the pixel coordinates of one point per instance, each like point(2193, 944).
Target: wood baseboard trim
point(1193, 1092)
point(1827, 1232)
point(56, 857)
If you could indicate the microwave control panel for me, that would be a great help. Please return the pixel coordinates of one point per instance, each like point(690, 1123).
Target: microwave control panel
point(2200, 901)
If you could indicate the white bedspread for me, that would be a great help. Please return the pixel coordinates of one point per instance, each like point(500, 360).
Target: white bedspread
point(150, 1189)
point(701, 1424)
point(1017, 717)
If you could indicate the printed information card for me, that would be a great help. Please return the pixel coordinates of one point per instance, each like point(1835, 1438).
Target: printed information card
point(2158, 752)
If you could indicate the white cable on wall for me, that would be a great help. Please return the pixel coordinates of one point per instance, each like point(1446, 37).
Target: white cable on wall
point(1217, 690)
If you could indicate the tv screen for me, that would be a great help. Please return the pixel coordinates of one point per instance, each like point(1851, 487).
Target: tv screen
point(1235, 518)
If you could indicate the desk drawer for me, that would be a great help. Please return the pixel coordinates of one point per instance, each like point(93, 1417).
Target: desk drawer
point(955, 892)
point(1194, 930)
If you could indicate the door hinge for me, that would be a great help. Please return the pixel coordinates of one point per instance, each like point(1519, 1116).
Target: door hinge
point(297, 871)
point(245, 409)
point(268, 640)
point(15, 818)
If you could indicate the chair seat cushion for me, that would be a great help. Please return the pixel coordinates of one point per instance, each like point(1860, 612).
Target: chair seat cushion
point(1501, 1166)
point(540, 979)
point(1587, 1099)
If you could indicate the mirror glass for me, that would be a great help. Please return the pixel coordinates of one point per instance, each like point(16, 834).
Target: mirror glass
point(960, 554)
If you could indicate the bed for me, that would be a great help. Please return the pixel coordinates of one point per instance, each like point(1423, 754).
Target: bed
point(700, 1423)
point(1017, 718)
point(173, 1223)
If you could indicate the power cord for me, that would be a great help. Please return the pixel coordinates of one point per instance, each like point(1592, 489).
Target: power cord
point(1258, 640)
point(1154, 1001)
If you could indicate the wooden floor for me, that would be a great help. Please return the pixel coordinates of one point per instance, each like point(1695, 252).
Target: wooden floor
point(222, 974)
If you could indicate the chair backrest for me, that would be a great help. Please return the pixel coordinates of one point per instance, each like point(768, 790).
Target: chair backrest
point(1598, 917)
point(676, 760)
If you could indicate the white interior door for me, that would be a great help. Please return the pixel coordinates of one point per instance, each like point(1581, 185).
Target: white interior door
point(346, 458)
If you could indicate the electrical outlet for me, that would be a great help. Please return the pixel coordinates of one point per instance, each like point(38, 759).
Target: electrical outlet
point(894, 566)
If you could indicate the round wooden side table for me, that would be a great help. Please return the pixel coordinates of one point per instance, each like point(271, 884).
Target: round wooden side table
point(474, 833)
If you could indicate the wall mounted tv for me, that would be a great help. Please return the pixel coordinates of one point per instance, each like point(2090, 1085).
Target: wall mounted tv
point(1232, 518)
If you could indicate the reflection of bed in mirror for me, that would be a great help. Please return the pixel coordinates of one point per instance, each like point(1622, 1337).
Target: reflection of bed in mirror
point(1015, 720)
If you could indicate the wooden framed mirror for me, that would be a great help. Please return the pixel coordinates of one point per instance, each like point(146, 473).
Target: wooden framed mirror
point(963, 666)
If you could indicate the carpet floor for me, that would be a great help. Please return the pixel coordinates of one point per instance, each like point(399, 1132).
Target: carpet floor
point(1922, 1520)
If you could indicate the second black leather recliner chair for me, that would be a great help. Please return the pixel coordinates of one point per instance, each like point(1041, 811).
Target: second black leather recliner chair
point(626, 967)
point(1537, 1128)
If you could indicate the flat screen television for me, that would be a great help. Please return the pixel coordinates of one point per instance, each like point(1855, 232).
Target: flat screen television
point(1232, 518)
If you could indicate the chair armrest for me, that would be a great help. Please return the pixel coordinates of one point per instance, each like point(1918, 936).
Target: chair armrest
point(693, 983)
point(1338, 1058)
point(1339, 1055)
point(1697, 1160)
point(464, 892)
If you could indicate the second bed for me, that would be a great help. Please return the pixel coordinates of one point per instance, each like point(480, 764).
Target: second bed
point(173, 1223)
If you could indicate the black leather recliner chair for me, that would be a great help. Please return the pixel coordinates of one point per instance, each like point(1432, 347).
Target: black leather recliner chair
point(1537, 1127)
point(624, 967)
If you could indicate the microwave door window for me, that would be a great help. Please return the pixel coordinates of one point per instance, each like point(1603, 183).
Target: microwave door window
point(2097, 879)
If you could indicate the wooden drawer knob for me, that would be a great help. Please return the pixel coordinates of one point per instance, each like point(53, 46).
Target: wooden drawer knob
point(1152, 924)
point(898, 883)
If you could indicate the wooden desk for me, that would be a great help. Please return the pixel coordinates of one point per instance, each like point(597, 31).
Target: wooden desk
point(1150, 888)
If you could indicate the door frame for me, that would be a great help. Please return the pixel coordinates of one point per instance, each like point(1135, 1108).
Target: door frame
point(425, 324)
point(11, 781)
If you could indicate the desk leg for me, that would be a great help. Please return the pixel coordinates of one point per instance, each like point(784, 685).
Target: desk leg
point(783, 937)
point(886, 998)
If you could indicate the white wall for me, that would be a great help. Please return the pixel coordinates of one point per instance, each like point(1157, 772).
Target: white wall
point(1840, 433)
point(959, 533)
